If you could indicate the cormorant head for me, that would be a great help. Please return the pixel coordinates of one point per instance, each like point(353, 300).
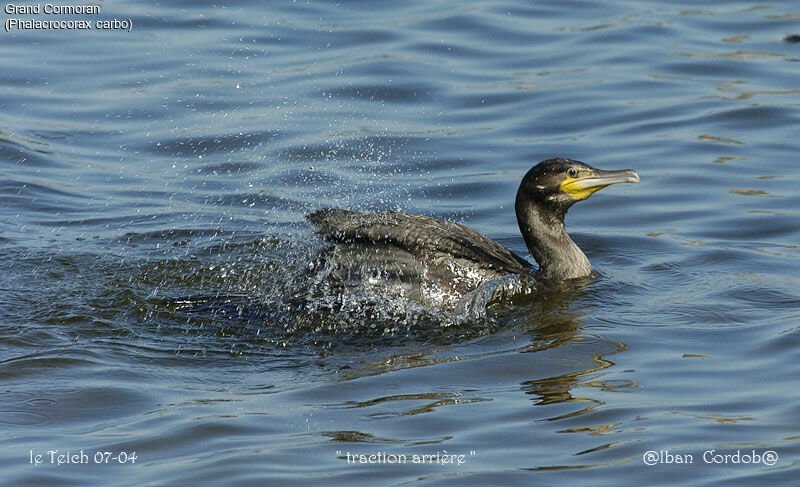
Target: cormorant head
point(559, 183)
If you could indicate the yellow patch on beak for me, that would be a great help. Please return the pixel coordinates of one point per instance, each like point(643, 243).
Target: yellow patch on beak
point(574, 188)
point(586, 184)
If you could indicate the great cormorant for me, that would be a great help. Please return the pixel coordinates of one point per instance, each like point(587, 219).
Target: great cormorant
point(452, 257)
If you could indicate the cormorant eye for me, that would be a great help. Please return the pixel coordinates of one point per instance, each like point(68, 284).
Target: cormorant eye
point(572, 172)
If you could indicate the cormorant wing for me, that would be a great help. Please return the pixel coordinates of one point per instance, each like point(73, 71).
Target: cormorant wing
point(416, 234)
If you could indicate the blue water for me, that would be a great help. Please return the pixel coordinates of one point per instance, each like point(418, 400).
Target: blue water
point(180, 159)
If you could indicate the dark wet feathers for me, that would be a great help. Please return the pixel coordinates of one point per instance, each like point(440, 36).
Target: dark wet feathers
point(417, 235)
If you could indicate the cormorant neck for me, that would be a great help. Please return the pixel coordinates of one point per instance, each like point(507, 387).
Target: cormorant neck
point(559, 258)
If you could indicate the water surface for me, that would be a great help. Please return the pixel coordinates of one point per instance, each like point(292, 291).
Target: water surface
point(180, 159)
